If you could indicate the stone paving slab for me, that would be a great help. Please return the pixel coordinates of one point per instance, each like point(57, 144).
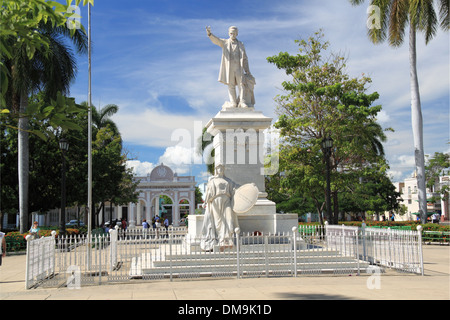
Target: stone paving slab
point(392, 285)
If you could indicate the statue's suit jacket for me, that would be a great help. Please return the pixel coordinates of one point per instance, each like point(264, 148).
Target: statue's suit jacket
point(224, 73)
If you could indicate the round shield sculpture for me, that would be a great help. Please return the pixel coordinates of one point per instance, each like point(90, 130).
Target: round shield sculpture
point(245, 198)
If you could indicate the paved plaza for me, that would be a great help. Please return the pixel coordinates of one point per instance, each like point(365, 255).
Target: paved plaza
point(392, 285)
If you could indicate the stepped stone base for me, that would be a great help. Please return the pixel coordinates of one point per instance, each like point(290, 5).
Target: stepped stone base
point(262, 259)
point(264, 223)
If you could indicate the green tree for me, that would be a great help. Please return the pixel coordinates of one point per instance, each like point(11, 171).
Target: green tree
point(111, 179)
point(323, 101)
point(44, 170)
point(9, 199)
point(419, 15)
point(50, 71)
point(198, 196)
point(102, 117)
point(438, 166)
point(20, 20)
point(369, 190)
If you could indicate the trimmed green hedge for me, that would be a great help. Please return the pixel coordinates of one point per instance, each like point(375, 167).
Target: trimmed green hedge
point(15, 241)
point(403, 225)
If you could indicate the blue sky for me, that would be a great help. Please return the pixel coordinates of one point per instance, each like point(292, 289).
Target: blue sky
point(154, 60)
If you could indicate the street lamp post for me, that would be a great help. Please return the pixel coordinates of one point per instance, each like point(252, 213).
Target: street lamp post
point(64, 146)
point(327, 144)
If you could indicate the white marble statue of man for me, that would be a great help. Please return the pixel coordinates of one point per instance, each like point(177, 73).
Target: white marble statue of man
point(220, 220)
point(234, 69)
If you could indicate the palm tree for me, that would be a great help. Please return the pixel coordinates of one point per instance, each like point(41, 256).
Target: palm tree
point(101, 118)
point(50, 70)
point(420, 15)
point(372, 138)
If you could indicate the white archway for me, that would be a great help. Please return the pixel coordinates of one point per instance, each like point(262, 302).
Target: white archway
point(162, 181)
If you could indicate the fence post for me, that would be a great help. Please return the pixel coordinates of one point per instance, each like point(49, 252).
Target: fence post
point(363, 235)
point(99, 250)
point(294, 236)
point(113, 235)
point(53, 234)
point(238, 262)
point(266, 253)
point(357, 251)
point(419, 233)
point(27, 267)
point(389, 247)
point(170, 253)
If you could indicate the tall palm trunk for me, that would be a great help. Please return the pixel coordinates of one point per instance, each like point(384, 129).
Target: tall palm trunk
point(23, 163)
point(417, 126)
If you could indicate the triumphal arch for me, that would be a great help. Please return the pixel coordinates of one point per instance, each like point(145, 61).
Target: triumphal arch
point(162, 193)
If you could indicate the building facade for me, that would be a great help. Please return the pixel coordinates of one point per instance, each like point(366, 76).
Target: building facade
point(161, 193)
point(436, 203)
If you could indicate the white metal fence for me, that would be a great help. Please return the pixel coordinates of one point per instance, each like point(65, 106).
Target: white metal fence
point(74, 261)
point(397, 249)
point(392, 248)
point(40, 262)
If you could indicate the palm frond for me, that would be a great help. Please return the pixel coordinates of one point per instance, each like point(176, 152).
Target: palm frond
point(108, 110)
point(378, 35)
point(423, 17)
point(444, 9)
point(398, 19)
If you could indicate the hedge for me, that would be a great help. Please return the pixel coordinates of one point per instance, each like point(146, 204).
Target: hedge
point(15, 241)
point(412, 224)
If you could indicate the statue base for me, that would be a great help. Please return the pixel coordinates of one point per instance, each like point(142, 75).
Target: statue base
point(263, 223)
point(239, 145)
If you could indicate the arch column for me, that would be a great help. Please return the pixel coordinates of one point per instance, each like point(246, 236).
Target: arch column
point(148, 207)
point(176, 210)
point(119, 212)
point(192, 202)
point(156, 207)
point(138, 213)
point(132, 215)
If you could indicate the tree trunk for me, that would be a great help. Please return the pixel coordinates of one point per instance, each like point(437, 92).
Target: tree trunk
point(417, 127)
point(319, 210)
point(335, 207)
point(23, 163)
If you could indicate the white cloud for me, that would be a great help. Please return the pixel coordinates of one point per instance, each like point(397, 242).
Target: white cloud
point(396, 175)
point(406, 160)
point(140, 168)
point(383, 117)
point(153, 127)
point(180, 158)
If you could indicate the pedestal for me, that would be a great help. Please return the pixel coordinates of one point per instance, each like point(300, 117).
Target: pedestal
point(239, 136)
point(265, 223)
point(239, 145)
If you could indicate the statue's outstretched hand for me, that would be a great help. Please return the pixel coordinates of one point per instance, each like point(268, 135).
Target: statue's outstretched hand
point(208, 30)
